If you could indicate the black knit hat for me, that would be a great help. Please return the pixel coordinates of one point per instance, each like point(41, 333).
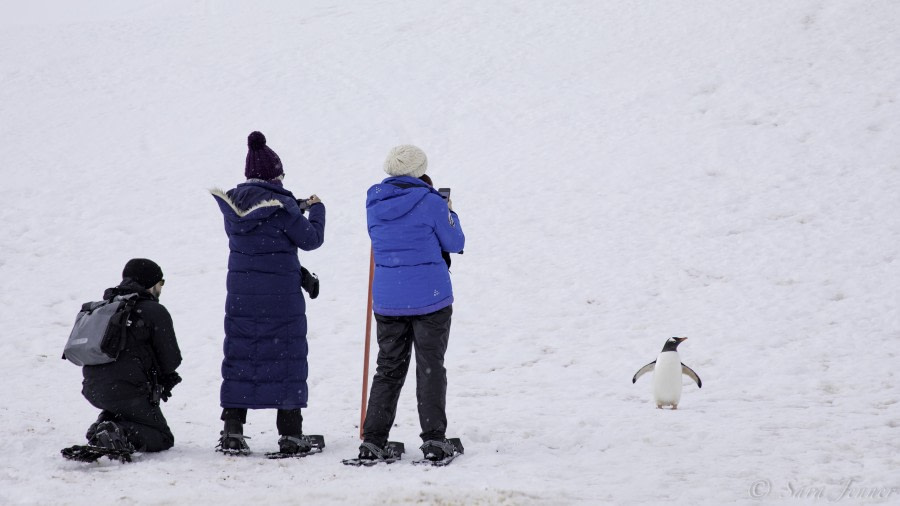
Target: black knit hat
point(262, 162)
point(143, 272)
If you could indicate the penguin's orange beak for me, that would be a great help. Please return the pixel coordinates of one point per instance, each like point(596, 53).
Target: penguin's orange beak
point(679, 339)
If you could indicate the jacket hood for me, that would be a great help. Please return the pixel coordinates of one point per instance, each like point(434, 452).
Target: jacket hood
point(127, 287)
point(247, 205)
point(396, 196)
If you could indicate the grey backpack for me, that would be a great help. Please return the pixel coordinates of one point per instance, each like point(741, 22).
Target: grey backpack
point(100, 331)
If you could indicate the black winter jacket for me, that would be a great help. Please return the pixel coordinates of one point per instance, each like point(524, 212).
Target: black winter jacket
point(150, 343)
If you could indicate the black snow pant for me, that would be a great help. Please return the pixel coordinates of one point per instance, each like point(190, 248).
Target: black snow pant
point(397, 335)
point(288, 421)
point(144, 424)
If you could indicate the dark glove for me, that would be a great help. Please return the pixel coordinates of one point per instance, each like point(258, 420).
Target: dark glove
point(446, 257)
point(168, 382)
point(309, 282)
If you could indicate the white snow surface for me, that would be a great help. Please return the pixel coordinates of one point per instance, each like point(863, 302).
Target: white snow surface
point(624, 172)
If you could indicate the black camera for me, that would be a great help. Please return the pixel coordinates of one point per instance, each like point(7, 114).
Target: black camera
point(303, 204)
point(445, 193)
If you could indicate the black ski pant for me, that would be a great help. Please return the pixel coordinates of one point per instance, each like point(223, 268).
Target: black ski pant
point(397, 335)
point(143, 422)
point(288, 421)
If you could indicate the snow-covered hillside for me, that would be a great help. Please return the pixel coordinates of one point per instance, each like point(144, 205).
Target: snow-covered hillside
point(624, 172)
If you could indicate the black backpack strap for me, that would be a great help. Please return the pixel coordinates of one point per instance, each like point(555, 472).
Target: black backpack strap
point(130, 301)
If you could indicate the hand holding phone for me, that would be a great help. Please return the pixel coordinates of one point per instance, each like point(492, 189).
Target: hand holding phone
point(445, 194)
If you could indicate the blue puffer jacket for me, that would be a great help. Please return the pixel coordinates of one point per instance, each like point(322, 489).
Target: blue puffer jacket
point(265, 312)
point(409, 226)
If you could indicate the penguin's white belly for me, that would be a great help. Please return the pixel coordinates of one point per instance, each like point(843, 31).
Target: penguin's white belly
point(667, 379)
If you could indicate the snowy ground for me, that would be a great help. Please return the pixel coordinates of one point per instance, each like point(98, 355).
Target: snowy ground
point(624, 172)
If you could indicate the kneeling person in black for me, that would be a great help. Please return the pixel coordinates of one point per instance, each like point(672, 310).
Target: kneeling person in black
point(124, 390)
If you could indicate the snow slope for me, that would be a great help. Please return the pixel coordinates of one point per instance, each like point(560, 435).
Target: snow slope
point(624, 172)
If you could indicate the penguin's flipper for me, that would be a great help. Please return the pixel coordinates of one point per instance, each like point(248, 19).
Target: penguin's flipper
point(691, 374)
point(643, 370)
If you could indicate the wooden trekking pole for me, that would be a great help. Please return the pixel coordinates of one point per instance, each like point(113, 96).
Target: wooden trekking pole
point(365, 382)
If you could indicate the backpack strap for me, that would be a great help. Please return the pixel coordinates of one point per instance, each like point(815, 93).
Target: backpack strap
point(130, 301)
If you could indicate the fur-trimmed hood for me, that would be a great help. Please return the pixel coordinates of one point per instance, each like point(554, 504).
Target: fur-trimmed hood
point(252, 202)
point(226, 199)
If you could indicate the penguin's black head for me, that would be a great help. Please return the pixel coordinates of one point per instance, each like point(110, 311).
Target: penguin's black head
point(672, 343)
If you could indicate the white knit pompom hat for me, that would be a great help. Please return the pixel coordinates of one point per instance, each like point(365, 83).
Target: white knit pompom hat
point(406, 160)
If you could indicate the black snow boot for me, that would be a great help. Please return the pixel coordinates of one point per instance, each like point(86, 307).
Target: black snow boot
point(437, 449)
point(294, 444)
point(387, 453)
point(232, 440)
point(110, 436)
point(370, 451)
point(233, 444)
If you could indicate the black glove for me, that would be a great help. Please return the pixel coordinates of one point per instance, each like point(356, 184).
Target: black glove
point(309, 282)
point(168, 382)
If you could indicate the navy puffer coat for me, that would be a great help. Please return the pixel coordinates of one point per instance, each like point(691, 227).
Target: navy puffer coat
point(265, 312)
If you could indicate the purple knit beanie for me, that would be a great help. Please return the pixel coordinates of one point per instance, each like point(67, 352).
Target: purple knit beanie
point(262, 162)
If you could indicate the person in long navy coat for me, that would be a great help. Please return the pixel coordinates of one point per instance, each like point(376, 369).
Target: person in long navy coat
point(265, 347)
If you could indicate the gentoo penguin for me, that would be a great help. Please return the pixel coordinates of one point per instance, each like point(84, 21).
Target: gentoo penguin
point(667, 370)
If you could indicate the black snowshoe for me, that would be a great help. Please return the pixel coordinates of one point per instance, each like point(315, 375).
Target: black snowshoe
point(108, 440)
point(440, 452)
point(233, 444)
point(290, 446)
point(370, 454)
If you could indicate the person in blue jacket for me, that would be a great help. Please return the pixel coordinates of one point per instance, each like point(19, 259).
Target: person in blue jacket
point(265, 346)
point(410, 225)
